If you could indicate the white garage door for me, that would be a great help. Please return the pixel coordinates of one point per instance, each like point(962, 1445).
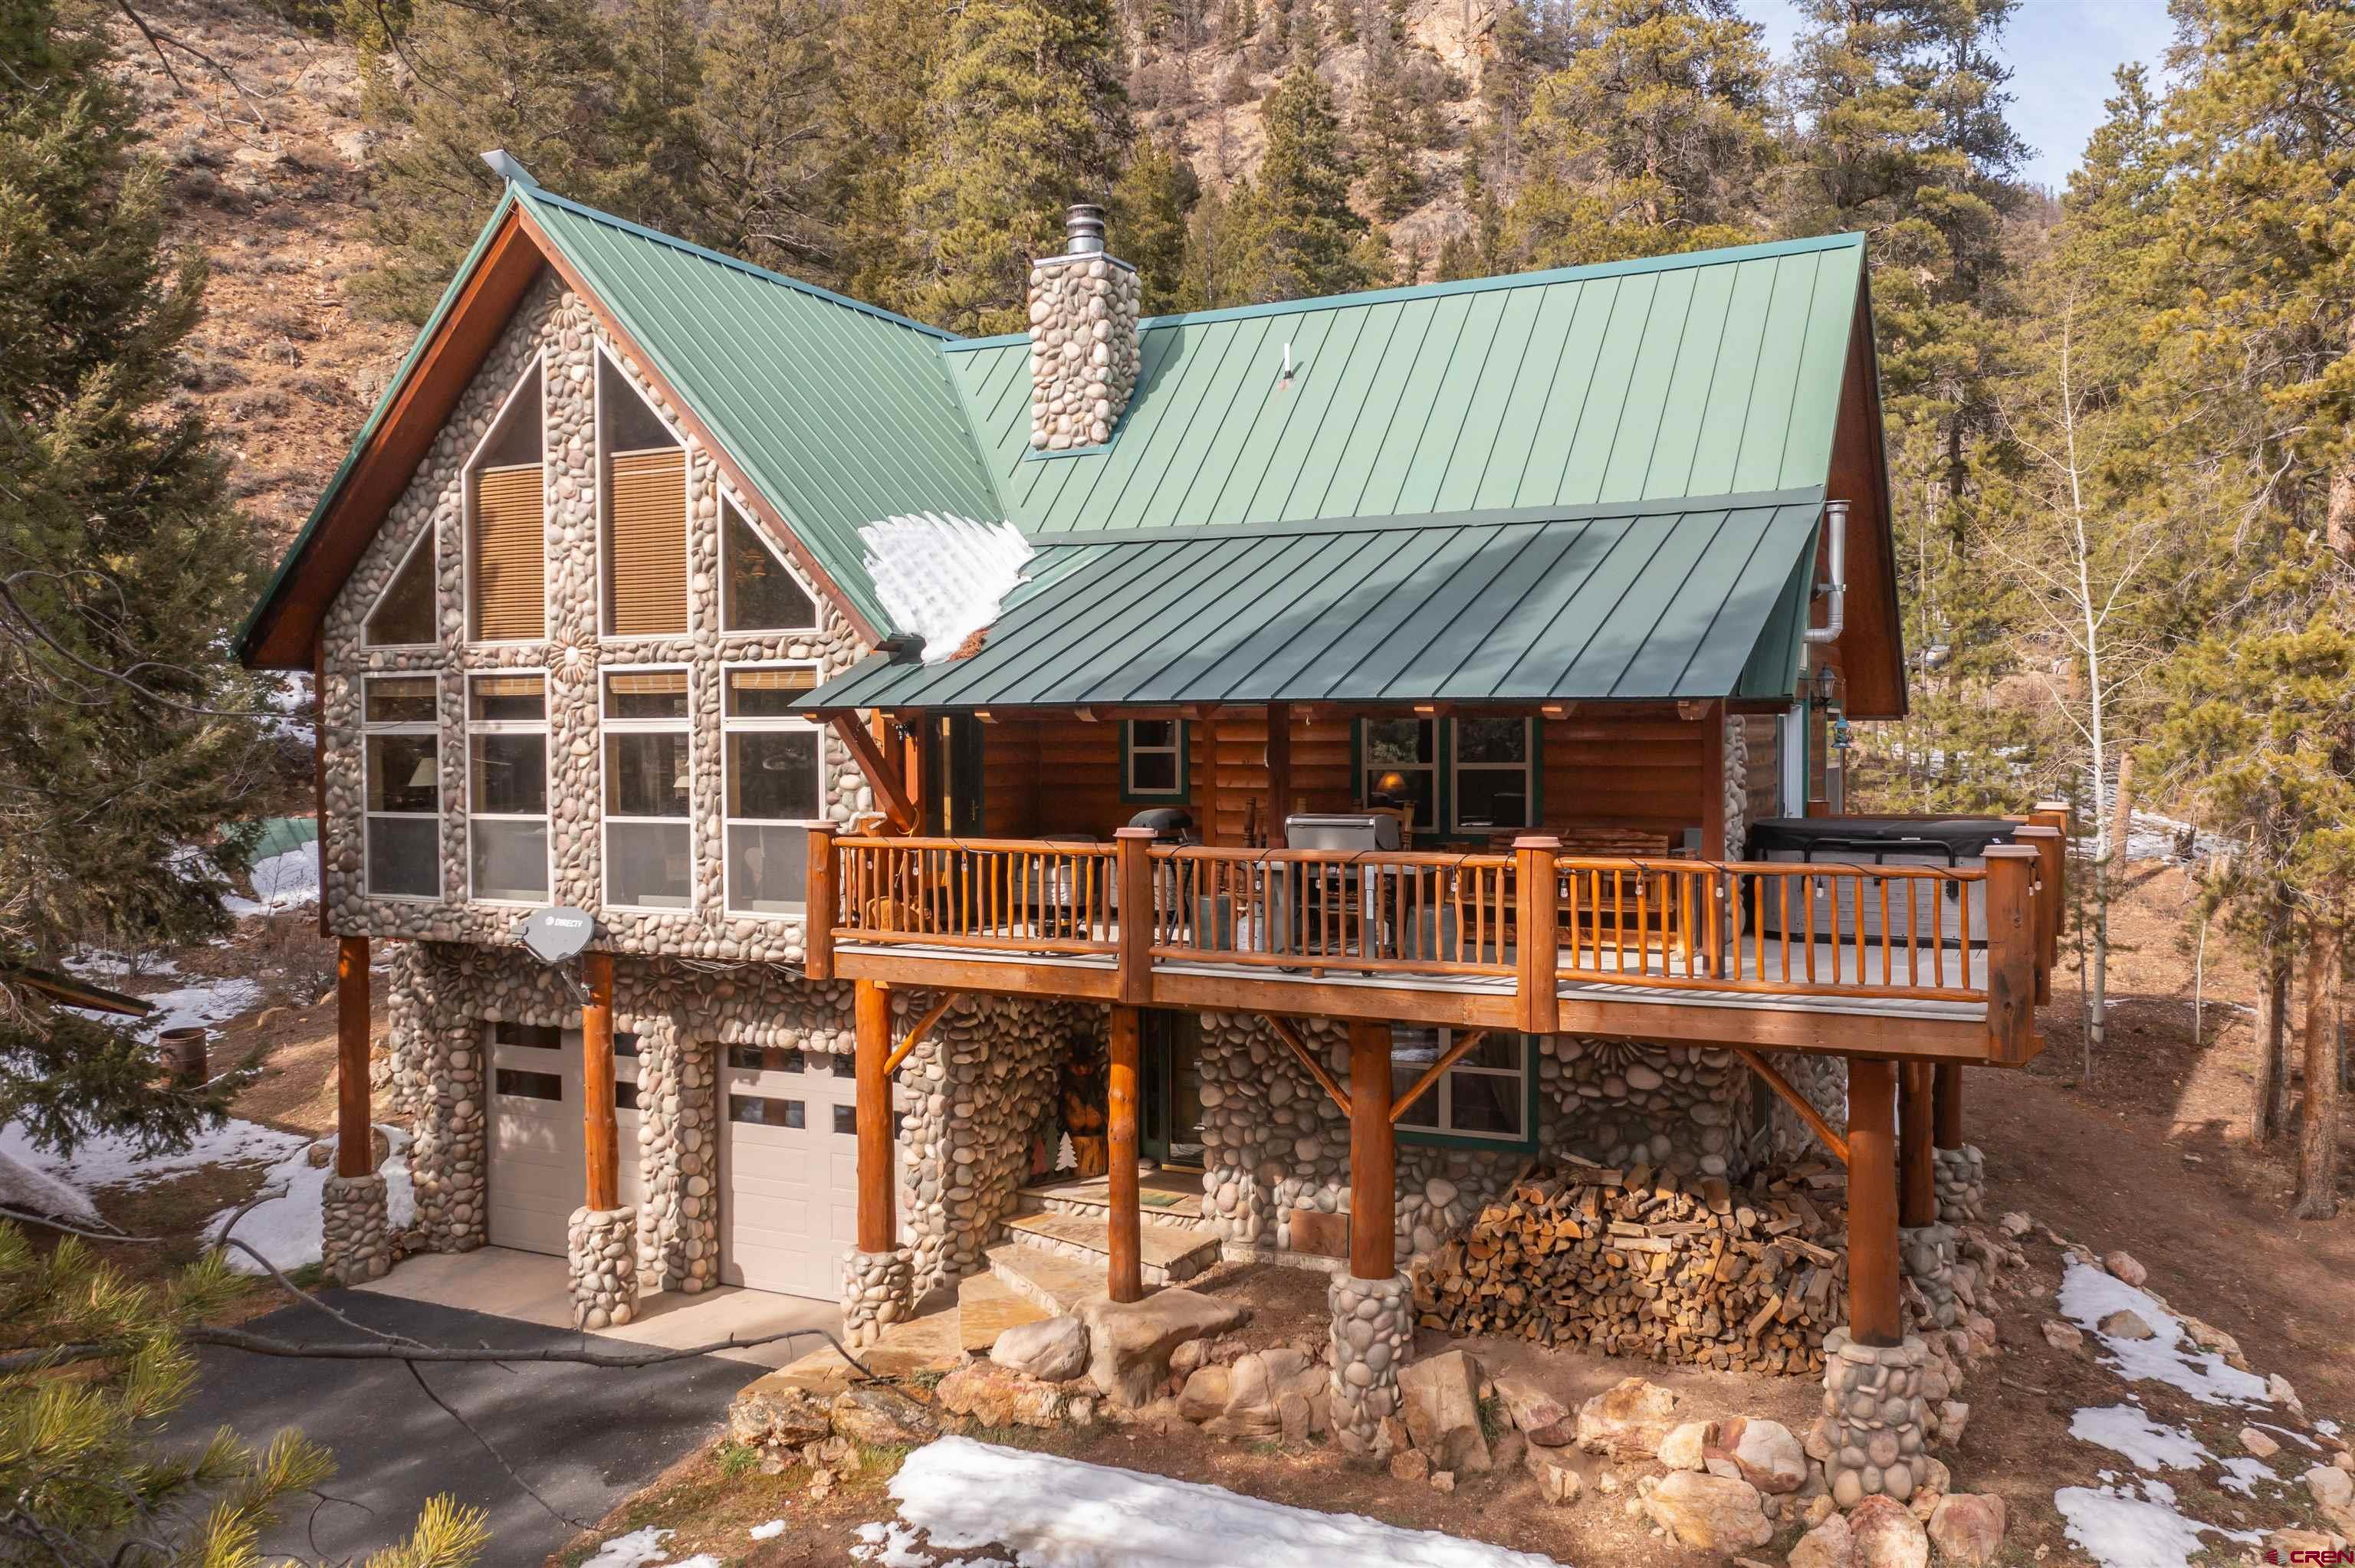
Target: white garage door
point(790, 1162)
point(539, 1170)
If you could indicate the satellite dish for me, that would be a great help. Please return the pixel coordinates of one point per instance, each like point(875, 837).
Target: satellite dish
point(555, 934)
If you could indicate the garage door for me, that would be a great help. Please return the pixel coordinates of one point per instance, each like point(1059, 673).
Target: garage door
point(538, 1168)
point(789, 1156)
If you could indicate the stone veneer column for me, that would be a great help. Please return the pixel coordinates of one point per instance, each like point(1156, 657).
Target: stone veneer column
point(1373, 1333)
point(1927, 1253)
point(1872, 1436)
point(1962, 1184)
point(354, 1236)
point(878, 1289)
point(601, 1248)
point(678, 1207)
point(447, 1157)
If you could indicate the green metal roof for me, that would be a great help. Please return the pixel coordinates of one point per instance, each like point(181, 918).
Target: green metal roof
point(843, 414)
point(1714, 373)
point(1648, 601)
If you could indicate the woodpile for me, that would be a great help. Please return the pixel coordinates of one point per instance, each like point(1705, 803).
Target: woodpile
point(1644, 1262)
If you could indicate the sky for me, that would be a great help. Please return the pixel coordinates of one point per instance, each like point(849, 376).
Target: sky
point(2061, 52)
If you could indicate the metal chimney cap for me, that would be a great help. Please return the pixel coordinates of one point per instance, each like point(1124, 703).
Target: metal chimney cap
point(1083, 230)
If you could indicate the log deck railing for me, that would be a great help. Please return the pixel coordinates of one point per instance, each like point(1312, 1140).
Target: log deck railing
point(1533, 917)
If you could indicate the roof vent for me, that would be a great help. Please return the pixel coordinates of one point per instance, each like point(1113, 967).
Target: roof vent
point(1083, 230)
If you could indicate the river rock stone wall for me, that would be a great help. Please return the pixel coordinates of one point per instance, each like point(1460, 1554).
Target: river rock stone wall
point(1373, 1334)
point(1962, 1184)
point(678, 1158)
point(1083, 349)
point(355, 1241)
point(1822, 1082)
point(556, 330)
point(601, 1250)
point(1873, 1437)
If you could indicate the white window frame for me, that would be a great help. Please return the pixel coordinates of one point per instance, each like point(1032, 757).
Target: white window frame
point(1442, 807)
point(545, 818)
point(1130, 790)
point(605, 632)
point(537, 372)
point(730, 502)
point(441, 791)
point(424, 541)
point(727, 824)
point(1450, 742)
point(1445, 1089)
point(685, 726)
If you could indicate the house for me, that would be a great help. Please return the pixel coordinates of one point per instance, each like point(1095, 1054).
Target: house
point(1453, 640)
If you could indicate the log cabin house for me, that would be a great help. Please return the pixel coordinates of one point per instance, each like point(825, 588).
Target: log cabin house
point(1397, 762)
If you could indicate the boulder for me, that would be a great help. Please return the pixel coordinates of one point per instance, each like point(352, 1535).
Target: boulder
point(785, 1417)
point(2278, 1390)
point(1556, 1480)
point(1685, 1447)
point(2258, 1444)
point(1763, 1453)
point(1129, 1342)
point(1954, 1415)
point(2333, 1491)
point(1530, 1406)
point(1296, 1417)
point(1441, 1400)
point(1256, 1386)
point(873, 1414)
point(1053, 1349)
point(1205, 1393)
point(1560, 1434)
point(2287, 1546)
point(2016, 1224)
point(1001, 1396)
point(2125, 1324)
point(1186, 1357)
point(2064, 1336)
point(1629, 1420)
point(1709, 1513)
point(1827, 1545)
point(2124, 1265)
point(1443, 1481)
point(1967, 1528)
point(1411, 1465)
point(1887, 1535)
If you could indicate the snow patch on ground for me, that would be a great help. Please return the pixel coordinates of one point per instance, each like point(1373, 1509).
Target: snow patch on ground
point(768, 1532)
point(1062, 1513)
point(2118, 1528)
point(635, 1550)
point(34, 1191)
point(109, 1161)
point(2088, 1295)
point(285, 1229)
point(2148, 1446)
point(286, 881)
point(203, 1001)
point(99, 964)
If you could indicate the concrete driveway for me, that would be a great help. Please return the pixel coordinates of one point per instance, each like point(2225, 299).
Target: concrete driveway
point(583, 1437)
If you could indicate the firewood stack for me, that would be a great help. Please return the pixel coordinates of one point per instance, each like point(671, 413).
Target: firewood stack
point(1644, 1263)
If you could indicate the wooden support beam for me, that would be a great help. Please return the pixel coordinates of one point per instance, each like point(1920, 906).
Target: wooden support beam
point(1279, 771)
point(602, 1142)
point(2012, 943)
point(881, 775)
point(1713, 847)
point(1825, 1132)
point(1872, 1268)
point(916, 1036)
point(355, 1131)
point(1125, 1245)
point(1374, 1155)
point(1290, 1036)
point(1132, 864)
point(1536, 977)
point(1917, 1173)
point(1455, 1053)
point(916, 757)
point(1947, 1112)
point(818, 907)
point(2051, 857)
point(878, 1227)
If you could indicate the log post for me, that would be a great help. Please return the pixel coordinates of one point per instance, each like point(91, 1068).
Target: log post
point(355, 1130)
point(819, 906)
point(2047, 843)
point(1947, 1110)
point(1132, 862)
point(1279, 771)
point(2011, 954)
point(1538, 913)
point(878, 1228)
point(1713, 847)
point(1917, 1176)
point(1872, 1307)
point(1125, 1278)
point(1374, 1155)
point(602, 1139)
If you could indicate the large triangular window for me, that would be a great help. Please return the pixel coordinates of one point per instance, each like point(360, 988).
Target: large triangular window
point(403, 616)
point(506, 535)
point(761, 595)
point(645, 513)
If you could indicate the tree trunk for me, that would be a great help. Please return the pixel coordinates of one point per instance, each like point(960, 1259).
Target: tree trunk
point(2109, 863)
point(2317, 1138)
point(2269, 1102)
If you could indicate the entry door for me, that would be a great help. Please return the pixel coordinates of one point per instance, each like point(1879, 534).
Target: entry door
point(789, 1157)
point(1170, 1125)
point(539, 1172)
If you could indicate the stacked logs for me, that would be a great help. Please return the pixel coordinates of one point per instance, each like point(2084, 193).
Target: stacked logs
point(1644, 1262)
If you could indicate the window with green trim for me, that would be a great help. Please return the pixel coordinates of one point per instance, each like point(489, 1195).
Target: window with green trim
point(1153, 760)
point(1486, 1101)
point(1467, 778)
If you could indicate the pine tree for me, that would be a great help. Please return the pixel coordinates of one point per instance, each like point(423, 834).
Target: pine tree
point(1651, 138)
point(777, 160)
point(1025, 116)
point(887, 53)
point(124, 566)
point(1295, 233)
point(1150, 207)
point(1383, 126)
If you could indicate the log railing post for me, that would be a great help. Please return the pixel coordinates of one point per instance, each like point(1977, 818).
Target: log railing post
point(1947, 1110)
point(1917, 1174)
point(1124, 1237)
point(355, 1130)
point(1872, 1268)
point(878, 1227)
point(1374, 1155)
point(2047, 843)
point(602, 1140)
point(1132, 864)
point(1536, 914)
point(2011, 953)
point(819, 906)
point(1279, 771)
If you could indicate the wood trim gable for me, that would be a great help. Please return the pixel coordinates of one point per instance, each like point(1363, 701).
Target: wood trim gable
point(1871, 654)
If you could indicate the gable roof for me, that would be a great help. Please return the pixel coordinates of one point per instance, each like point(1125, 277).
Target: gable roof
point(1710, 372)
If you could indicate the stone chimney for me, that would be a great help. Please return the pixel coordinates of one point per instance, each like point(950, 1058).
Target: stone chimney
point(1083, 307)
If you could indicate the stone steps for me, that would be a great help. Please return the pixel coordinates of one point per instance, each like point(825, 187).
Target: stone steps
point(1051, 1282)
point(1170, 1253)
point(1032, 1200)
point(987, 1308)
